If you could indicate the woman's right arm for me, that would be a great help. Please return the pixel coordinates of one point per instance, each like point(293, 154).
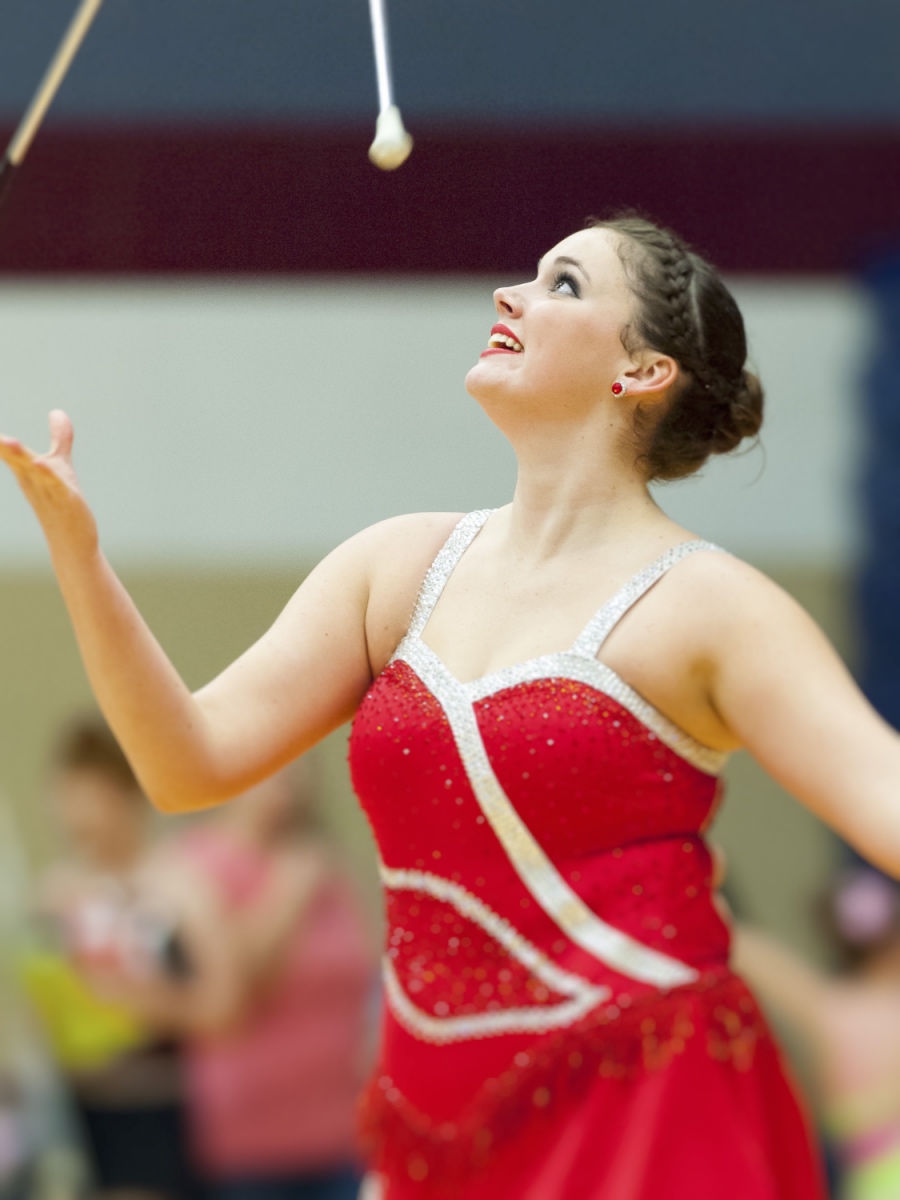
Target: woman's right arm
point(303, 678)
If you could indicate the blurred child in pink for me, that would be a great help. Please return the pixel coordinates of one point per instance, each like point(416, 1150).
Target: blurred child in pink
point(276, 1000)
point(103, 914)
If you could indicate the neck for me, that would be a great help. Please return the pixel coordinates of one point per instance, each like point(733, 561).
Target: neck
point(575, 490)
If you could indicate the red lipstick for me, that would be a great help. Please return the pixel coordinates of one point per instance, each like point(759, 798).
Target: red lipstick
point(503, 331)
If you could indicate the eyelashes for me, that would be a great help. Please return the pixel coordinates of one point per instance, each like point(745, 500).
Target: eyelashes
point(563, 278)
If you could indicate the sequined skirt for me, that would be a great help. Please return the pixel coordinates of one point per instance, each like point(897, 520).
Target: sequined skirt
point(683, 1095)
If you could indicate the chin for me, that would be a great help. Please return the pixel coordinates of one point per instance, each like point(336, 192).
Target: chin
point(482, 382)
point(473, 379)
point(505, 406)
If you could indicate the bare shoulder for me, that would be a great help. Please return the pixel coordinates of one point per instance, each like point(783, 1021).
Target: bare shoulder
point(385, 557)
point(744, 636)
point(409, 535)
point(398, 553)
point(725, 595)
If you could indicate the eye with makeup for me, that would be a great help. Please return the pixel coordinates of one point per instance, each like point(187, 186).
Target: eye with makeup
point(562, 280)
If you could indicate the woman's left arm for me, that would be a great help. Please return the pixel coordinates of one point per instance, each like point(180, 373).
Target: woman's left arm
point(780, 687)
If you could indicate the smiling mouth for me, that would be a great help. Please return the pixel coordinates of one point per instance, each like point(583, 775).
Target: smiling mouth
point(503, 341)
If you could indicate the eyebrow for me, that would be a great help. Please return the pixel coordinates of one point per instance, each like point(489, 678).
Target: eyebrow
point(569, 262)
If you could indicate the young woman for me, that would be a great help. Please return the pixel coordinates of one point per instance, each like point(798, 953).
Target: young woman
point(539, 728)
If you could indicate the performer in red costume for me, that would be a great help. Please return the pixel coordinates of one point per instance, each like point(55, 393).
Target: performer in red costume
point(561, 1020)
point(538, 732)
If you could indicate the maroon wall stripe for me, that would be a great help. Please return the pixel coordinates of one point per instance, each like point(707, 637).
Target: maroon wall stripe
point(287, 201)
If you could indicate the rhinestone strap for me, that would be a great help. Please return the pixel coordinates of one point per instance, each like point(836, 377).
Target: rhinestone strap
point(441, 569)
point(601, 625)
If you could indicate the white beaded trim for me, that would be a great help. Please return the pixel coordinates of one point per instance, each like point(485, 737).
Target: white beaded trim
point(372, 1187)
point(564, 906)
point(440, 570)
point(600, 678)
point(579, 662)
point(502, 931)
point(584, 995)
point(603, 622)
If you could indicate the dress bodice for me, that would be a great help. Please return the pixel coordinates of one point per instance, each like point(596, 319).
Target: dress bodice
point(540, 830)
point(560, 1020)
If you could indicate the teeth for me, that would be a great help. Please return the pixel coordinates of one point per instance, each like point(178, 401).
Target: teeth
point(500, 341)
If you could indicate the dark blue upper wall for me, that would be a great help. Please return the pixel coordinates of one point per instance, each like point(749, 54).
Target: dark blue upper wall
point(587, 61)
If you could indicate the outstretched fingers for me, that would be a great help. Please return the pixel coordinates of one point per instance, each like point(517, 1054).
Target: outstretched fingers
point(50, 486)
point(62, 434)
point(42, 474)
point(30, 471)
point(15, 453)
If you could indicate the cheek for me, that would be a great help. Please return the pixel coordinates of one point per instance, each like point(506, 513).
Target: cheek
point(573, 359)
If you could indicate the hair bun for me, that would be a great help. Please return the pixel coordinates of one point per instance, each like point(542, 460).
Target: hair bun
point(683, 309)
point(739, 414)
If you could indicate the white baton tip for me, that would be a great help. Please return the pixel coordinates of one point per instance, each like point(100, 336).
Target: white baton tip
point(392, 144)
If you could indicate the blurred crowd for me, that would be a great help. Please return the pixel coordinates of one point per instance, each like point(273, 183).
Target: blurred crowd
point(187, 1008)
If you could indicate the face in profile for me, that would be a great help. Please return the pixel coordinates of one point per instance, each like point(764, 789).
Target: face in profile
point(557, 345)
point(99, 816)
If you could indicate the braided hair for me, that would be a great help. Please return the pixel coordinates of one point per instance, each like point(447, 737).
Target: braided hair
point(684, 310)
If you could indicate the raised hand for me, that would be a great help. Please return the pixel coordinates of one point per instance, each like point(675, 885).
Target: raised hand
point(188, 751)
point(51, 487)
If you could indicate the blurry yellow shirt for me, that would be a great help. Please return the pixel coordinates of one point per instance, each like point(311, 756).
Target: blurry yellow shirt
point(84, 1032)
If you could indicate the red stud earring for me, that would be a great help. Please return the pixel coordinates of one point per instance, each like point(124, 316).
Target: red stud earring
point(618, 388)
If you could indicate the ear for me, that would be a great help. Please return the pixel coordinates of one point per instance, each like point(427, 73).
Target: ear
point(651, 376)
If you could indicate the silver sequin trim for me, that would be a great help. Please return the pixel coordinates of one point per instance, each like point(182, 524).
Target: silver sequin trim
point(602, 624)
point(583, 995)
point(541, 878)
point(440, 570)
point(372, 1187)
point(580, 662)
point(602, 679)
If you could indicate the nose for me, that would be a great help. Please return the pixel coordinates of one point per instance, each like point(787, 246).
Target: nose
point(508, 302)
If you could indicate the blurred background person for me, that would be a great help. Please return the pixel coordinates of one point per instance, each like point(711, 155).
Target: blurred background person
point(42, 1153)
point(41, 1157)
point(98, 912)
point(275, 1001)
point(849, 1023)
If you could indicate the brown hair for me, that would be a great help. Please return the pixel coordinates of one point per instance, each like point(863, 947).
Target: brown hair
point(684, 310)
point(860, 913)
point(87, 744)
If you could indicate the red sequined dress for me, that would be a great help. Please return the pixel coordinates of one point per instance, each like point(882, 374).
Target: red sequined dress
point(561, 1020)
